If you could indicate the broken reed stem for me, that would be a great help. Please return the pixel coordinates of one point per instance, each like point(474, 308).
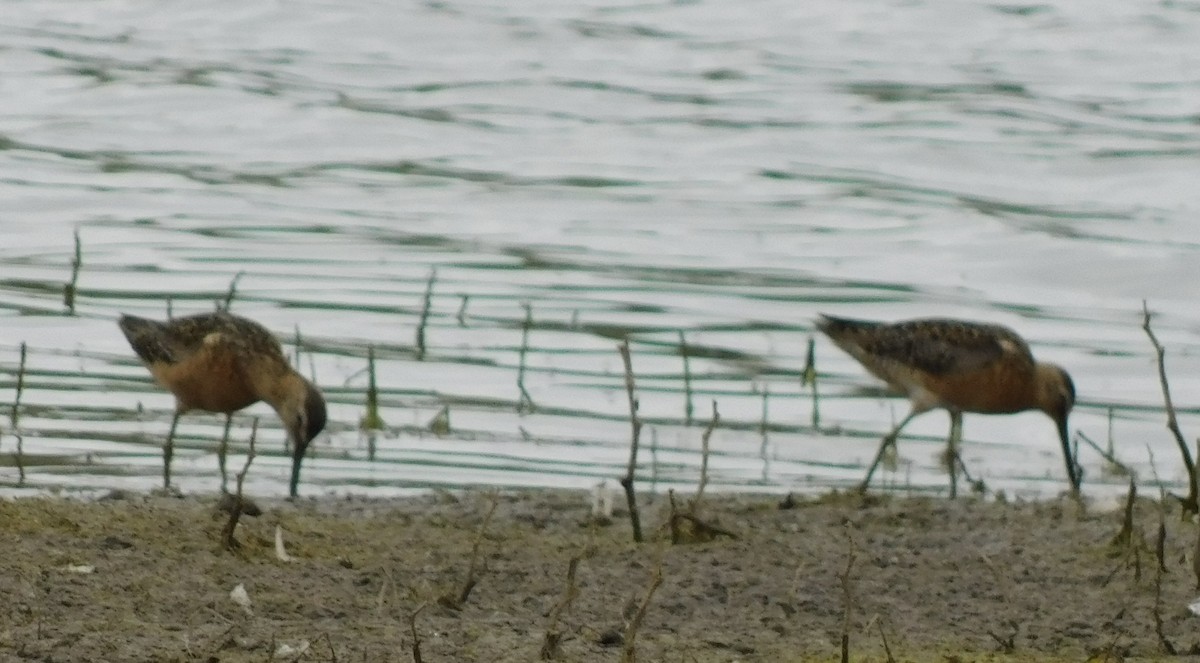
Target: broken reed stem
point(385, 590)
point(1125, 536)
point(847, 596)
point(1111, 411)
point(688, 408)
point(1190, 504)
point(298, 342)
point(70, 289)
point(14, 416)
point(553, 637)
point(461, 316)
point(233, 284)
point(416, 638)
point(1196, 551)
point(20, 458)
point(1160, 570)
point(809, 378)
point(764, 424)
point(628, 653)
point(457, 602)
point(673, 521)
point(635, 423)
point(886, 648)
point(698, 530)
point(524, 400)
point(708, 430)
point(653, 460)
point(371, 420)
point(235, 512)
point(1108, 454)
point(440, 423)
point(169, 450)
point(329, 643)
point(425, 305)
point(473, 569)
point(1160, 566)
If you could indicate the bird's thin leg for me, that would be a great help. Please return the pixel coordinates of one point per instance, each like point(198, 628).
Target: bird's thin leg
point(223, 451)
point(889, 440)
point(957, 461)
point(952, 458)
point(169, 450)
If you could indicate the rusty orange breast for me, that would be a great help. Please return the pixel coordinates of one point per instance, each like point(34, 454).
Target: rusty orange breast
point(211, 379)
point(998, 388)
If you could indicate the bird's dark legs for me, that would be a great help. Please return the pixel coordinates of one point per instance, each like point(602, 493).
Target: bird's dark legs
point(889, 440)
point(952, 459)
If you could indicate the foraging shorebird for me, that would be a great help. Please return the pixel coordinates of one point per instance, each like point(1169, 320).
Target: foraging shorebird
point(959, 366)
point(219, 362)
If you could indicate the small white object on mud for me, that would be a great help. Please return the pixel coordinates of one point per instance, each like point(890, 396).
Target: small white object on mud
point(241, 598)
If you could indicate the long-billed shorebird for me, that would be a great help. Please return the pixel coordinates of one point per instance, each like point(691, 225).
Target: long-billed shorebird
point(959, 366)
point(219, 362)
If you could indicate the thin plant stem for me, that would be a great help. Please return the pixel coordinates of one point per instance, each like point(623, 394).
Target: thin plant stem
point(809, 378)
point(232, 292)
point(71, 288)
point(426, 303)
point(635, 423)
point(371, 420)
point(15, 415)
point(688, 408)
point(1172, 423)
point(704, 440)
point(524, 400)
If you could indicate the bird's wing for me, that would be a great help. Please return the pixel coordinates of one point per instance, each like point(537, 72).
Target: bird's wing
point(946, 347)
point(933, 346)
point(178, 339)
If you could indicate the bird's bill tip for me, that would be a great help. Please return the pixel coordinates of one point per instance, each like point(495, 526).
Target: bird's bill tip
point(1064, 436)
point(299, 449)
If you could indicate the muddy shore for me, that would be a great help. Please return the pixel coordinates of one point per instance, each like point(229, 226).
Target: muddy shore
point(145, 578)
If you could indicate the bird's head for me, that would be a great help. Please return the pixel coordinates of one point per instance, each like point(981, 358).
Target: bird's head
point(1056, 392)
point(302, 410)
point(1056, 397)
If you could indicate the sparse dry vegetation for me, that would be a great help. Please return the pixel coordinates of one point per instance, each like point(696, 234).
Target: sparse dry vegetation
point(137, 577)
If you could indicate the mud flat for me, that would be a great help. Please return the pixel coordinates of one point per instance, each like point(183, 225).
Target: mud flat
point(145, 578)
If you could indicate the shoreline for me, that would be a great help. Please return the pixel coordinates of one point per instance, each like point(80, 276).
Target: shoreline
point(143, 577)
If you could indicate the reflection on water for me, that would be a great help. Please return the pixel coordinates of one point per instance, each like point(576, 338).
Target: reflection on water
point(700, 179)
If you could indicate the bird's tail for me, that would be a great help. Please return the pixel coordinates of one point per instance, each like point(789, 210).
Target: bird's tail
point(837, 328)
point(147, 338)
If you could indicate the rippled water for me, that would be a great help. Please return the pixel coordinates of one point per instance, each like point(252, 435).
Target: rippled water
point(628, 170)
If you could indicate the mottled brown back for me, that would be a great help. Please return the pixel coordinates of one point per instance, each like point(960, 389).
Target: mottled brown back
point(934, 346)
point(175, 340)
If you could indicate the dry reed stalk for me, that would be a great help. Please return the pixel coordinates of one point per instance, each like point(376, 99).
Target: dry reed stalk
point(1189, 503)
point(635, 423)
point(235, 512)
point(426, 302)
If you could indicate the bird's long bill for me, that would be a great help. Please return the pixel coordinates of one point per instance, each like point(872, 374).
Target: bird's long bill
point(1072, 468)
point(299, 448)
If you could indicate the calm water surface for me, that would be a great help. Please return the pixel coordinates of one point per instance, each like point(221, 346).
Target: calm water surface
point(724, 171)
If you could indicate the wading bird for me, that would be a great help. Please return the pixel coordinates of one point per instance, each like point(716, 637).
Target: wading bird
point(219, 362)
point(959, 366)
